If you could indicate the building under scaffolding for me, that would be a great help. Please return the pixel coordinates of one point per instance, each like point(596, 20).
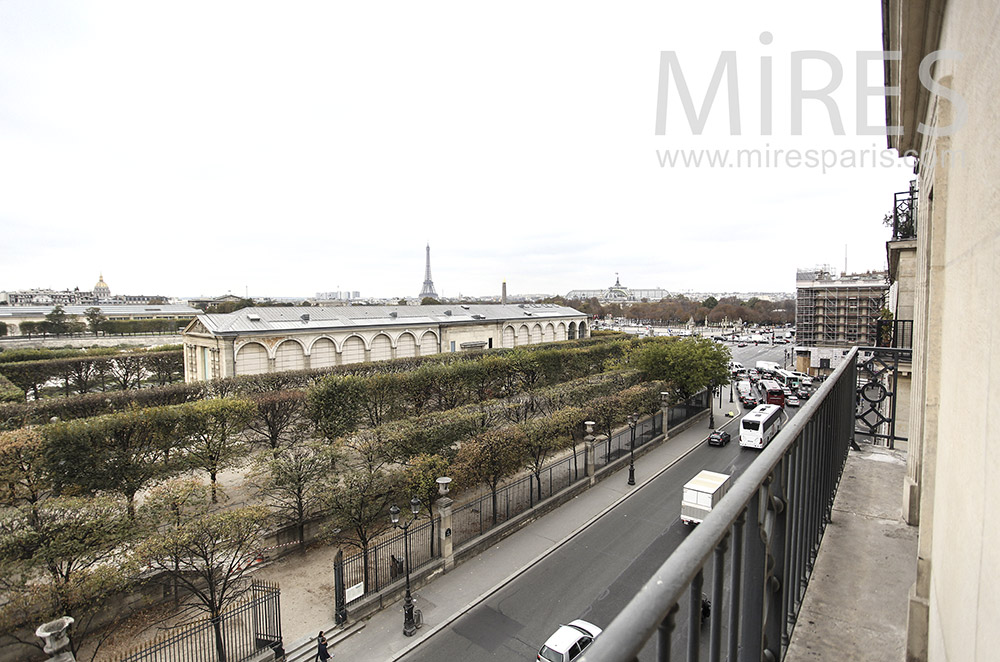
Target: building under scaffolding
point(835, 313)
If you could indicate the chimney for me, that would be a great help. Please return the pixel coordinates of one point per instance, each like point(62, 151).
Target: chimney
point(503, 294)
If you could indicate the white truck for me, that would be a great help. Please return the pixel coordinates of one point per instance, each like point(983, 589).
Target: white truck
point(701, 494)
point(770, 366)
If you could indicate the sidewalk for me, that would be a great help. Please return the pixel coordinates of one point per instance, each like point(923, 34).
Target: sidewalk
point(448, 596)
point(856, 603)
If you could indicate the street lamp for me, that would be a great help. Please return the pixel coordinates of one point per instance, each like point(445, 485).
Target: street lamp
point(730, 389)
point(409, 626)
point(711, 403)
point(633, 419)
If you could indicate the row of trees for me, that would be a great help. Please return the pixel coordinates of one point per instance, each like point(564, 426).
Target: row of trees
point(77, 406)
point(679, 309)
point(97, 372)
point(59, 323)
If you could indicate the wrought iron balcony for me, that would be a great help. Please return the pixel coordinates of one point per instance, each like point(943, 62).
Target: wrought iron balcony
point(904, 214)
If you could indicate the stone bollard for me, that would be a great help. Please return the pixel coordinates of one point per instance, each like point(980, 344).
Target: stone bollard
point(55, 634)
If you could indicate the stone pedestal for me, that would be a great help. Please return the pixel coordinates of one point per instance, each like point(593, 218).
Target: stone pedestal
point(445, 539)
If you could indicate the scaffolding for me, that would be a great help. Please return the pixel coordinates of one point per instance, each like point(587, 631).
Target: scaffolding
point(838, 312)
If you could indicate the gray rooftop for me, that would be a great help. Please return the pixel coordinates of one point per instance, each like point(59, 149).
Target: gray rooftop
point(285, 318)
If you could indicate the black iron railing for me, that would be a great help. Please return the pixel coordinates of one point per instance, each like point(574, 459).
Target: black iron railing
point(243, 632)
point(894, 333)
point(753, 554)
point(904, 214)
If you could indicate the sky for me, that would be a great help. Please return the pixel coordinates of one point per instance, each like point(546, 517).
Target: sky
point(283, 149)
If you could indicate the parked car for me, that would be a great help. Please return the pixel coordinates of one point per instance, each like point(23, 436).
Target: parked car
point(568, 642)
point(718, 438)
point(742, 344)
point(792, 401)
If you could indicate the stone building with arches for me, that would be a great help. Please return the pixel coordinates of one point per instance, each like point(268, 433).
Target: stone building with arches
point(260, 340)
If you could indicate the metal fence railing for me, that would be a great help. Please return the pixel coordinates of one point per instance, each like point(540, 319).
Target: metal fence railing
point(753, 554)
point(244, 630)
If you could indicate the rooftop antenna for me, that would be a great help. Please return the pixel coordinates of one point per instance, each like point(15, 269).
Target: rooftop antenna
point(845, 259)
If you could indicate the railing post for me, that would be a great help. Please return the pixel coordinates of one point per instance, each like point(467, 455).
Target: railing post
point(775, 523)
point(754, 576)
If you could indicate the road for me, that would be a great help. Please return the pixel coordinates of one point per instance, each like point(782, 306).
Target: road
point(599, 571)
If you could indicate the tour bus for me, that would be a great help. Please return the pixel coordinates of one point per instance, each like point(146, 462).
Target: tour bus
point(758, 427)
point(773, 393)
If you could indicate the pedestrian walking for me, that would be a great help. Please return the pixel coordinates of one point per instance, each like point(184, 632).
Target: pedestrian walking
point(322, 654)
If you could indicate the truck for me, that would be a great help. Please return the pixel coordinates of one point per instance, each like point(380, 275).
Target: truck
point(701, 494)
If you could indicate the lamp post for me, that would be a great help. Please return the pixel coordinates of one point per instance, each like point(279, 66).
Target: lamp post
point(409, 626)
point(711, 404)
point(633, 419)
point(730, 389)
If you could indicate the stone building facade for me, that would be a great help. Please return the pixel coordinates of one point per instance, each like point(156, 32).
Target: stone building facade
point(942, 95)
point(259, 340)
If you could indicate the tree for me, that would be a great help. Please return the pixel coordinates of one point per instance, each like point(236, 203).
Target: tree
point(710, 302)
point(128, 370)
point(3, 328)
point(542, 440)
point(294, 483)
point(55, 561)
point(209, 557)
point(23, 468)
point(280, 417)
point(490, 458)
point(124, 452)
point(56, 321)
point(335, 405)
point(359, 509)
point(687, 364)
point(214, 429)
point(95, 318)
point(429, 301)
point(607, 413)
point(422, 473)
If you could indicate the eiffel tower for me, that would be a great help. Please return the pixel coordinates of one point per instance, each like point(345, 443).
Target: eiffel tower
point(428, 290)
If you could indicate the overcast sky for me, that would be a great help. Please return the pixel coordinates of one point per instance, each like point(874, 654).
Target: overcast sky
point(283, 149)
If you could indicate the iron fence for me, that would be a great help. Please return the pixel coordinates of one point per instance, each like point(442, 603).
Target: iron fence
point(682, 411)
point(894, 333)
point(753, 554)
point(610, 449)
point(243, 631)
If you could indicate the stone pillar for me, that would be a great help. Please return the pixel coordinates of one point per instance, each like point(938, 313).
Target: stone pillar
point(55, 634)
point(588, 445)
point(443, 507)
point(665, 408)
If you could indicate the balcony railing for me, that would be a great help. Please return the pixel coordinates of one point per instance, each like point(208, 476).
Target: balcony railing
point(904, 214)
point(753, 554)
point(894, 333)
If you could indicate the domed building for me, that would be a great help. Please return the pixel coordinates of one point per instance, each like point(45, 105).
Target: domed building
point(101, 290)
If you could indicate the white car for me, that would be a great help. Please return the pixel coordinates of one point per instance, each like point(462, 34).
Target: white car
point(568, 642)
point(792, 401)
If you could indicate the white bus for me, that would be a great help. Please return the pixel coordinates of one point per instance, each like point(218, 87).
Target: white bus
point(786, 378)
point(758, 428)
